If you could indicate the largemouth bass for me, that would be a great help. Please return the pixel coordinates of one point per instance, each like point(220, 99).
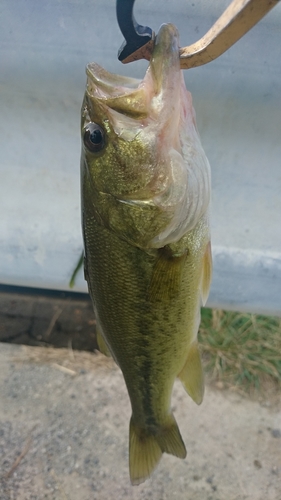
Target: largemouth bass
point(145, 199)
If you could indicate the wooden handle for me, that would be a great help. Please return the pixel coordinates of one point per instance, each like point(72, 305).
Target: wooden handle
point(237, 19)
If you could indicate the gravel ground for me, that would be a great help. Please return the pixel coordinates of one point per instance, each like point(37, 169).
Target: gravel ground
point(64, 420)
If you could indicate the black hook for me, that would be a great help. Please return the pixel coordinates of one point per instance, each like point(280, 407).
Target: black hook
point(139, 39)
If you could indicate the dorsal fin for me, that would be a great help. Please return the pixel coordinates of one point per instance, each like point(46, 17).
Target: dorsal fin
point(101, 342)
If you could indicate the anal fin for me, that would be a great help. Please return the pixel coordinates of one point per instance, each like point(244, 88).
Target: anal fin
point(206, 274)
point(192, 376)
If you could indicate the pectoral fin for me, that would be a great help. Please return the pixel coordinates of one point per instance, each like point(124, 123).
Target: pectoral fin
point(192, 376)
point(167, 275)
point(206, 274)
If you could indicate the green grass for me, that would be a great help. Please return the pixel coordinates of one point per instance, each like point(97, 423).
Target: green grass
point(242, 350)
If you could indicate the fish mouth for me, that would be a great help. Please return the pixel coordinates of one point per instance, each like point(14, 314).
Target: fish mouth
point(165, 59)
point(120, 93)
point(140, 98)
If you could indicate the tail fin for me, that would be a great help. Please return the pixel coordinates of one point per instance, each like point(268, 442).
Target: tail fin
point(146, 449)
point(144, 454)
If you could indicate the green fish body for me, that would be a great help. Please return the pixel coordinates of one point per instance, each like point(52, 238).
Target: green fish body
point(145, 198)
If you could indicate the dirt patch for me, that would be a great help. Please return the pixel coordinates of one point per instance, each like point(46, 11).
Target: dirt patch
point(64, 419)
point(64, 416)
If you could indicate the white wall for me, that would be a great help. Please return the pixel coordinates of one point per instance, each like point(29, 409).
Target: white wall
point(44, 47)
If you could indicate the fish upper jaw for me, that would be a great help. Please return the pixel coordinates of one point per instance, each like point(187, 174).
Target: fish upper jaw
point(146, 98)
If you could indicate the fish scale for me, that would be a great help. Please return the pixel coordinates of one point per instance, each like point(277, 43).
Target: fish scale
point(141, 332)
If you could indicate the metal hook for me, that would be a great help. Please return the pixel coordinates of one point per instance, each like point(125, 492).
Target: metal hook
point(139, 40)
point(237, 19)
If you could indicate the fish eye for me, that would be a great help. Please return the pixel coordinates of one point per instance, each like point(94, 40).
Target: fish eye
point(93, 138)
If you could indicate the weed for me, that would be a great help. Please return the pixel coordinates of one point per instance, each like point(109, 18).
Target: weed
point(242, 350)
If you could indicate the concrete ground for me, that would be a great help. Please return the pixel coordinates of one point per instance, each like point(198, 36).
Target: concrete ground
point(64, 419)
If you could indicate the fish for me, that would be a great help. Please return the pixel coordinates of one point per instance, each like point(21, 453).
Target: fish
point(145, 189)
